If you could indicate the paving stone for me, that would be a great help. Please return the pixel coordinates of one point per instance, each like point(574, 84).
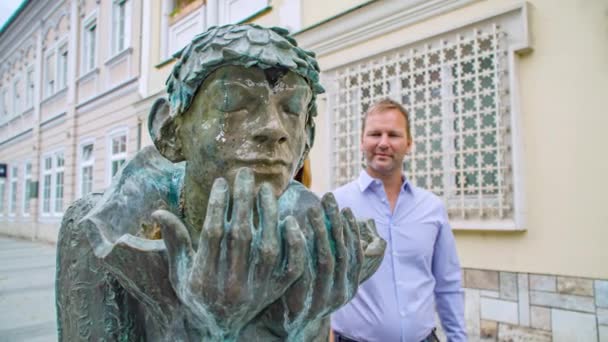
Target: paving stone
point(488, 330)
point(508, 285)
point(499, 310)
point(481, 279)
point(561, 301)
point(511, 333)
point(540, 317)
point(603, 333)
point(523, 299)
point(471, 311)
point(602, 316)
point(577, 286)
point(601, 293)
point(539, 282)
point(27, 293)
point(570, 326)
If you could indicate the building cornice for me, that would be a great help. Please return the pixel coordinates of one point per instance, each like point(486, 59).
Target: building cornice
point(371, 21)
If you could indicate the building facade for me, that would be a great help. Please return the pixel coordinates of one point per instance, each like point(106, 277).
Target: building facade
point(505, 101)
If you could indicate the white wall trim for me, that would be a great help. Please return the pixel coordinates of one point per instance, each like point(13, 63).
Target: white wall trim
point(145, 44)
point(370, 22)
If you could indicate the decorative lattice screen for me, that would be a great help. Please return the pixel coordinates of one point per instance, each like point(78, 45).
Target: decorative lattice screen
point(455, 88)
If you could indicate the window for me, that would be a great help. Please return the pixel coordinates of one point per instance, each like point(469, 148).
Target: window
point(120, 29)
point(1, 196)
point(12, 204)
point(27, 184)
point(59, 167)
point(118, 152)
point(90, 37)
point(455, 89)
point(4, 104)
point(52, 184)
point(17, 97)
point(49, 75)
point(47, 177)
point(29, 90)
point(86, 169)
point(62, 67)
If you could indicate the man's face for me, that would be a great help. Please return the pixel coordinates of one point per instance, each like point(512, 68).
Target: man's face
point(385, 143)
point(238, 118)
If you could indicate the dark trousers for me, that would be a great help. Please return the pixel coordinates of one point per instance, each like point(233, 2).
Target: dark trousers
point(340, 338)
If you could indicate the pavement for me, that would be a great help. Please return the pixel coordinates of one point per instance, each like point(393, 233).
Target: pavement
point(27, 291)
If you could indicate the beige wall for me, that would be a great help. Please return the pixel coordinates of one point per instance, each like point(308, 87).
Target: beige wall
point(563, 84)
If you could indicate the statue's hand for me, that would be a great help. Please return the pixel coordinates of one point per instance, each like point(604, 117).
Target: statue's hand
point(238, 269)
point(333, 273)
point(373, 246)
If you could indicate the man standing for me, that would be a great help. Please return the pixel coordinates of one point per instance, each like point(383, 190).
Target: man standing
point(420, 270)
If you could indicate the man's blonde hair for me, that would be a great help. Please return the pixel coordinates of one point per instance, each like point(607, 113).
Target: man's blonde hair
point(384, 105)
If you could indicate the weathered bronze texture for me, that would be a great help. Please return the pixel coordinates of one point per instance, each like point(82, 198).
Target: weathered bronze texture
point(205, 236)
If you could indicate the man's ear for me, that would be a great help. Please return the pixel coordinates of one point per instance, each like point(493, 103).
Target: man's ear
point(164, 131)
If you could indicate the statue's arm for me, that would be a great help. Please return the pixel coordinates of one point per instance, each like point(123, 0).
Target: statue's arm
point(122, 295)
point(90, 303)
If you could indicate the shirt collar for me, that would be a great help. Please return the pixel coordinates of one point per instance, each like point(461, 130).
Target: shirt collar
point(365, 181)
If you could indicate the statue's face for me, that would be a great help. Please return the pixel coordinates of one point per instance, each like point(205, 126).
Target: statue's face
point(238, 118)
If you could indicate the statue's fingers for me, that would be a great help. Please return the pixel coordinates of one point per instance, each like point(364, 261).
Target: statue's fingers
point(341, 256)
point(268, 248)
point(353, 243)
point(325, 263)
point(239, 236)
point(295, 252)
point(208, 254)
point(178, 243)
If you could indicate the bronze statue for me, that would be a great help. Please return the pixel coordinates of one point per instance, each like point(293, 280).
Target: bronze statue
point(170, 252)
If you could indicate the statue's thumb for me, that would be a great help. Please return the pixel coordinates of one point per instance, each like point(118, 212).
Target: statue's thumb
point(178, 243)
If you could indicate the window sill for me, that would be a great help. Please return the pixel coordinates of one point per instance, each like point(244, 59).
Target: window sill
point(486, 225)
point(119, 57)
point(89, 75)
point(54, 96)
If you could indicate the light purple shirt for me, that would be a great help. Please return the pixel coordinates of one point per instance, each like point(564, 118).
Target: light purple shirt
point(420, 269)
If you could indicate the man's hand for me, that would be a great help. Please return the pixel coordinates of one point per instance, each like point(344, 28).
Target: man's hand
point(238, 269)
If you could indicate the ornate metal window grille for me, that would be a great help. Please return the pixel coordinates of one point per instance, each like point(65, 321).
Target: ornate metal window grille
point(456, 91)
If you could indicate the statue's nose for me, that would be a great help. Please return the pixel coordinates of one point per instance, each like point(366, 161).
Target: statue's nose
point(270, 128)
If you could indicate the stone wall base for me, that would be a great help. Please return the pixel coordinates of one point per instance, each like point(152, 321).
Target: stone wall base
point(507, 306)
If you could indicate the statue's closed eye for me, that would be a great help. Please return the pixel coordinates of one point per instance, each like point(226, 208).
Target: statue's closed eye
point(235, 99)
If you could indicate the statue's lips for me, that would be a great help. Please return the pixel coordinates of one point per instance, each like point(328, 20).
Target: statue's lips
point(265, 166)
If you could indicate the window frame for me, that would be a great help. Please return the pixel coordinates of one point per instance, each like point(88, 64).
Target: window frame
point(110, 156)
point(52, 172)
point(82, 164)
point(3, 103)
point(26, 206)
point(89, 59)
point(62, 66)
point(2, 196)
point(117, 6)
point(30, 87)
point(50, 70)
point(13, 186)
point(17, 98)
